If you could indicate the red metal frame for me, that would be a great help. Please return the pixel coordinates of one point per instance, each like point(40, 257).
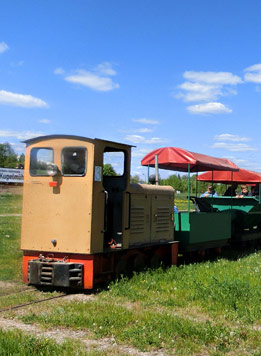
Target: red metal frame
point(86, 260)
point(101, 267)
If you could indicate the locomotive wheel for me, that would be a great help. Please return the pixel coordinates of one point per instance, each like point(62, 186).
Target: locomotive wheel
point(201, 254)
point(121, 268)
point(155, 261)
point(139, 263)
point(125, 266)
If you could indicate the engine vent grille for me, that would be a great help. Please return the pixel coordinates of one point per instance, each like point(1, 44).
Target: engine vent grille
point(137, 220)
point(163, 219)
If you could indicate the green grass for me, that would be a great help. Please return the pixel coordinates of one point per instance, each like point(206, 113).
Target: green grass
point(228, 289)
point(144, 328)
point(210, 308)
point(10, 254)
point(10, 229)
point(10, 204)
point(15, 343)
point(213, 306)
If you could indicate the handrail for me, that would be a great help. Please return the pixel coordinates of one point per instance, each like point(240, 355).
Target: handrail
point(129, 215)
point(105, 226)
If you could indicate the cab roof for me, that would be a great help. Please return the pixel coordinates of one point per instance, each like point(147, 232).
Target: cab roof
point(70, 137)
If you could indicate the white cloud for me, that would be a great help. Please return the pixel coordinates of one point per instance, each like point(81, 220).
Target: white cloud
point(234, 147)
point(242, 163)
point(142, 130)
point(229, 137)
point(3, 47)
point(253, 77)
point(96, 79)
point(106, 69)
point(20, 135)
point(237, 161)
point(140, 139)
point(59, 71)
point(220, 78)
point(146, 121)
point(28, 101)
point(44, 121)
point(139, 152)
point(92, 81)
point(208, 87)
point(253, 73)
point(209, 108)
point(253, 68)
point(199, 92)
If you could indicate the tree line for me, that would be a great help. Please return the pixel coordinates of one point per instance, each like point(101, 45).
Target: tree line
point(180, 183)
point(8, 157)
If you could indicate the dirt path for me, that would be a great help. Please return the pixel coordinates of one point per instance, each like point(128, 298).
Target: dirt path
point(11, 189)
point(60, 335)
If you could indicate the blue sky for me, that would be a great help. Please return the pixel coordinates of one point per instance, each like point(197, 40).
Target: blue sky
point(147, 73)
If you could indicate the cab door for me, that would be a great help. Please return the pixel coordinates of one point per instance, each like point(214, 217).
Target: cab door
point(112, 198)
point(114, 183)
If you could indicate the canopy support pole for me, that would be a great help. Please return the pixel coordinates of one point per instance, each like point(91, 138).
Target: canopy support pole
point(259, 193)
point(231, 199)
point(188, 187)
point(196, 184)
point(148, 178)
point(212, 183)
point(156, 170)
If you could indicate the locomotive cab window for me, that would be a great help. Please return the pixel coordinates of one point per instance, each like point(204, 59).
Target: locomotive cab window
point(40, 160)
point(113, 163)
point(74, 161)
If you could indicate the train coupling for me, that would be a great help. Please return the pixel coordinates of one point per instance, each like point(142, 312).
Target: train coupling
point(53, 272)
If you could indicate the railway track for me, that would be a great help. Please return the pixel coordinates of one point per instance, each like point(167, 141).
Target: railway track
point(19, 306)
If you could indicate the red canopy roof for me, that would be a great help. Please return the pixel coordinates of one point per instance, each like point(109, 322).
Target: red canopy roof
point(242, 176)
point(177, 159)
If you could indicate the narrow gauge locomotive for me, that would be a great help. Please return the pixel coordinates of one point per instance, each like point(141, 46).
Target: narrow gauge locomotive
point(80, 227)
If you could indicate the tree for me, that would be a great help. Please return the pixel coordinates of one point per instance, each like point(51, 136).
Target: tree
point(21, 159)
point(135, 179)
point(8, 158)
point(108, 170)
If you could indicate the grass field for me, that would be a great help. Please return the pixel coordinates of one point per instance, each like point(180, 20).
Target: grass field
point(210, 308)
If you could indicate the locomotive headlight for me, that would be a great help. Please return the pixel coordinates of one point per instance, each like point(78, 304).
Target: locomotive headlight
point(52, 170)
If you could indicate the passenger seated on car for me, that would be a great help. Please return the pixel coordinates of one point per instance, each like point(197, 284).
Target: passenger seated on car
point(255, 190)
point(209, 193)
point(231, 191)
point(244, 192)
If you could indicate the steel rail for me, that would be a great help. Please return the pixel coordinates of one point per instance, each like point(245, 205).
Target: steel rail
point(18, 306)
